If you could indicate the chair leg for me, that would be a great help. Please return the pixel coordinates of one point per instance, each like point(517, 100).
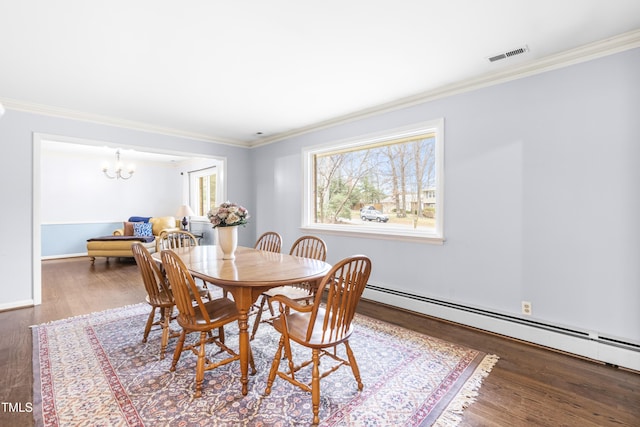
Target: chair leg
point(274, 366)
point(289, 355)
point(258, 318)
point(268, 301)
point(165, 330)
point(252, 362)
point(147, 327)
point(354, 365)
point(178, 351)
point(315, 386)
point(200, 365)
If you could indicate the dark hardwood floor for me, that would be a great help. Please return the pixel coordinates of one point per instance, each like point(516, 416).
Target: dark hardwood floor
point(529, 386)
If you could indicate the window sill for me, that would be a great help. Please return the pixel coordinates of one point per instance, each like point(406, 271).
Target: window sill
point(370, 232)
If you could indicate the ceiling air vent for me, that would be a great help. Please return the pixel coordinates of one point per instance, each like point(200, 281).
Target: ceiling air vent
point(508, 54)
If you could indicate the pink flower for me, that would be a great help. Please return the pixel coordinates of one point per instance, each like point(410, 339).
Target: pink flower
point(228, 214)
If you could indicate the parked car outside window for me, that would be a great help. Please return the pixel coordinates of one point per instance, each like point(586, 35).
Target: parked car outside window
point(373, 215)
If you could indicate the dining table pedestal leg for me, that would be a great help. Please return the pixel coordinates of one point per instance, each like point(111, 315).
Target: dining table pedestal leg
point(244, 300)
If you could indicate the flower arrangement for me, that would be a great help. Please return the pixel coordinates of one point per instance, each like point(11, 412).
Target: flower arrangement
point(227, 215)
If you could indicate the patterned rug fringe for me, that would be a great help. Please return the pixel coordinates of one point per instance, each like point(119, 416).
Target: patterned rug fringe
point(452, 416)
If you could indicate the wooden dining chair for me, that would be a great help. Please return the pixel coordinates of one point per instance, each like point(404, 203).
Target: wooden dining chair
point(321, 327)
point(195, 316)
point(269, 241)
point(308, 247)
point(175, 239)
point(178, 239)
point(159, 295)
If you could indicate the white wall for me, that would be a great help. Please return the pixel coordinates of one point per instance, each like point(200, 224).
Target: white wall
point(74, 189)
point(21, 258)
point(542, 194)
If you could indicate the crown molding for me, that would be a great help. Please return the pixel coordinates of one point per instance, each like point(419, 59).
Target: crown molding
point(65, 113)
point(610, 46)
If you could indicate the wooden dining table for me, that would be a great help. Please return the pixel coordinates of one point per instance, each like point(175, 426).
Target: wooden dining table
point(246, 277)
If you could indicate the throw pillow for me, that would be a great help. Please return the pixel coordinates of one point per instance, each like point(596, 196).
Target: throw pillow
point(142, 229)
point(128, 228)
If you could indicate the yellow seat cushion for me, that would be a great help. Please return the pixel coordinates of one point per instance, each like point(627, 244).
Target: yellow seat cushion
point(98, 248)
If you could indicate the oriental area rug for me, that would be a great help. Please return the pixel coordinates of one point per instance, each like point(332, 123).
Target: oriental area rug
point(94, 370)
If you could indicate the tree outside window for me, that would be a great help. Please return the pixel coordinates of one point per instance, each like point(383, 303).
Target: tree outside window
point(385, 185)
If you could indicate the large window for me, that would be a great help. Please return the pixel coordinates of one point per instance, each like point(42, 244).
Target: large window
point(385, 185)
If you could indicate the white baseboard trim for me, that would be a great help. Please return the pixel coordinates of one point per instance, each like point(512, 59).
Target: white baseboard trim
point(64, 256)
point(17, 304)
point(585, 347)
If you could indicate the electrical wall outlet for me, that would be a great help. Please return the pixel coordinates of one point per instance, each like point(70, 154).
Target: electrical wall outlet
point(526, 308)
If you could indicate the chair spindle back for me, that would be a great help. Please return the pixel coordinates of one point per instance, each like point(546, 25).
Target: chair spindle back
point(269, 241)
point(176, 239)
point(184, 289)
point(154, 281)
point(344, 285)
point(310, 247)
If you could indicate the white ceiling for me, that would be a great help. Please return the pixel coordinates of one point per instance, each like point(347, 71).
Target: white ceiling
point(108, 153)
point(225, 70)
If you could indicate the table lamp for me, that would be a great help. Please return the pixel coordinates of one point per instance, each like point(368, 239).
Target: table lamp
point(184, 211)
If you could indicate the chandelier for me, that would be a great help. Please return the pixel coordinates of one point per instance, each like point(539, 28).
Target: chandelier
point(119, 168)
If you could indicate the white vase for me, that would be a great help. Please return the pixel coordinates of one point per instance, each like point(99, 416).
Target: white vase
point(228, 241)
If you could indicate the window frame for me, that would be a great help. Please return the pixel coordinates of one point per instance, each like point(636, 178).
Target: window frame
point(381, 231)
point(216, 169)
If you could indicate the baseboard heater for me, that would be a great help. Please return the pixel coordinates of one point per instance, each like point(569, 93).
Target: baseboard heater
point(462, 314)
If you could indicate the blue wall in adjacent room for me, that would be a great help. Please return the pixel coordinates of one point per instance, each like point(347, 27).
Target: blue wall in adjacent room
point(71, 239)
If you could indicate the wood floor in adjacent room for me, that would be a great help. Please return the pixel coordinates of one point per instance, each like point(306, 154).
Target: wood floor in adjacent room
point(529, 386)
